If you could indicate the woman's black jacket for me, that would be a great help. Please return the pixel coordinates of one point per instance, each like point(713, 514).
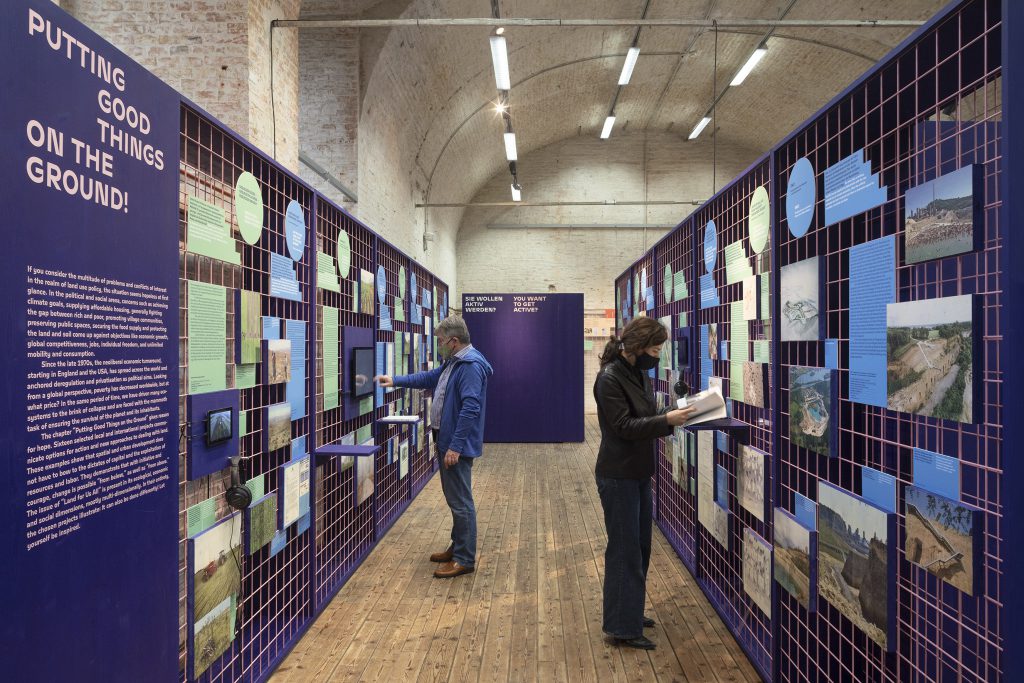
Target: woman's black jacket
point(629, 420)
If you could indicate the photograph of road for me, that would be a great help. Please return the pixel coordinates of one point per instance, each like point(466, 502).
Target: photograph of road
point(929, 351)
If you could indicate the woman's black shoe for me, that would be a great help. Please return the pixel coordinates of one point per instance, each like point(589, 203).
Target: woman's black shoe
point(648, 622)
point(640, 643)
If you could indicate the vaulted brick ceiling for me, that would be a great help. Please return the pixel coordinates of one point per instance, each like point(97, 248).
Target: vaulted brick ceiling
point(440, 81)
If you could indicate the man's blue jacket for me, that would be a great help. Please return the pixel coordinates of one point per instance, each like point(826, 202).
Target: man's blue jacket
point(465, 402)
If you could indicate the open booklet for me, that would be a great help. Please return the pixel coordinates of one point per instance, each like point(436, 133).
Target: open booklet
point(709, 404)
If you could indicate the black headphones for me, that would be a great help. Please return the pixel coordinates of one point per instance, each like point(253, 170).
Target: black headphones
point(239, 497)
point(681, 388)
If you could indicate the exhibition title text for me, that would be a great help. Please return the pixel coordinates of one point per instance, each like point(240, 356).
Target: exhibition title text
point(86, 168)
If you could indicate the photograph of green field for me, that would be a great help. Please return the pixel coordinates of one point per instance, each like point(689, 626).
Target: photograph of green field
point(853, 560)
point(278, 426)
point(367, 292)
point(215, 560)
point(262, 522)
point(792, 561)
point(810, 399)
point(930, 357)
point(214, 634)
point(250, 327)
point(943, 537)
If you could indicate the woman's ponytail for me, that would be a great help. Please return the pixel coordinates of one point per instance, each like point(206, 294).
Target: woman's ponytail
point(639, 334)
point(611, 350)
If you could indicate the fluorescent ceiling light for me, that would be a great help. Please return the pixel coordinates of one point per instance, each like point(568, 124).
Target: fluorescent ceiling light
point(607, 130)
point(510, 146)
point(517, 192)
point(499, 56)
point(627, 68)
point(742, 74)
point(699, 127)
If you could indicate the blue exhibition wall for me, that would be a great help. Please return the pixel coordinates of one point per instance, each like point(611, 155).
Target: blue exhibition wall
point(529, 338)
point(89, 480)
point(877, 319)
point(187, 301)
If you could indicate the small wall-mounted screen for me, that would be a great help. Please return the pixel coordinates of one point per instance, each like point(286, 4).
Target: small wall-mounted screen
point(362, 371)
point(218, 426)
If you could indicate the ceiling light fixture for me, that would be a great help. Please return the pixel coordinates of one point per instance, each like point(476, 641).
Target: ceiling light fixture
point(499, 31)
point(627, 67)
point(510, 146)
point(499, 56)
point(742, 74)
point(517, 193)
point(699, 127)
point(607, 130)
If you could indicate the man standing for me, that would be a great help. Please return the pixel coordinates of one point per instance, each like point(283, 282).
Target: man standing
point(457, 422)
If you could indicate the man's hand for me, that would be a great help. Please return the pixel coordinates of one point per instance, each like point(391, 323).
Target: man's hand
point(384, 380)
point(451, 458)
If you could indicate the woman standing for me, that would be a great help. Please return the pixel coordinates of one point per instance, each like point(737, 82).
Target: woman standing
point(630, 423)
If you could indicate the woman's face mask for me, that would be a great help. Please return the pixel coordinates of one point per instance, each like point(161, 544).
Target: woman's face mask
point(646, 361)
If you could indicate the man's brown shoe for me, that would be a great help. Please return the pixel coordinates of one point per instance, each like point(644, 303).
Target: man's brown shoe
point(450, 570)
point(446, 556)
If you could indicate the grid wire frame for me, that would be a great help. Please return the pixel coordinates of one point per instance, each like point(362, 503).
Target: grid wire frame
point(934, 107)
point(276, 600)
point(393, 493)
point(344, 531)
point(677, 509)
point(721, 571)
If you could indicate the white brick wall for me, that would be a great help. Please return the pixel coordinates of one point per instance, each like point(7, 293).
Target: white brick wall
point(329, 90)
point(216, 53)
point(655, 166)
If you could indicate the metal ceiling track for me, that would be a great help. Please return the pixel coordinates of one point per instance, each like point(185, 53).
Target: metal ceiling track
point(512, 22)
point(609, 202)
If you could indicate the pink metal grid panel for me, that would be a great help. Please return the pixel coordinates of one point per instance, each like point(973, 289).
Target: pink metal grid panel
point(393, 493)
point(948, 80)
point(212, 160)
point(722, 571)
point(676, 511)
point(344, 533)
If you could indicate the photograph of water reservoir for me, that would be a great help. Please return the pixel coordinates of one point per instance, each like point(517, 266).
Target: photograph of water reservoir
point(853, 560)
point(939, 216)
point(792, 560)
point(810, 402)
point(929, 351)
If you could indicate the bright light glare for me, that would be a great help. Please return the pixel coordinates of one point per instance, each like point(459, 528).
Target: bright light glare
point(607, 130)
point(742, 74)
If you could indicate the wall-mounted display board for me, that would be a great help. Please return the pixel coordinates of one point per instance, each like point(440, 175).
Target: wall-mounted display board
point(888, 281)
point(676, 305)
point(90, 403)
point(529, 338)
point(236, 267)
point(735, 355)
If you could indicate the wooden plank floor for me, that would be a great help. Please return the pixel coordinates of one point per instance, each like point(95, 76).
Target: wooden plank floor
point(531, 611)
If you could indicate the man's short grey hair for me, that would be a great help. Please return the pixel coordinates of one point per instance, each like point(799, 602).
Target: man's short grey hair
point(453, 326)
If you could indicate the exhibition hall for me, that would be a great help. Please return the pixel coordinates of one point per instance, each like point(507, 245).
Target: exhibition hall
point(520, 340)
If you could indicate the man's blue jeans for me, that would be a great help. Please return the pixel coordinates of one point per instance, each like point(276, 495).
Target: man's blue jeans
point(457, 485)
point(627, 517)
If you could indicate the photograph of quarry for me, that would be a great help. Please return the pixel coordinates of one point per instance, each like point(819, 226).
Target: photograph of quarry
point(929, 357)
point(939, 217)
point(853, 560)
